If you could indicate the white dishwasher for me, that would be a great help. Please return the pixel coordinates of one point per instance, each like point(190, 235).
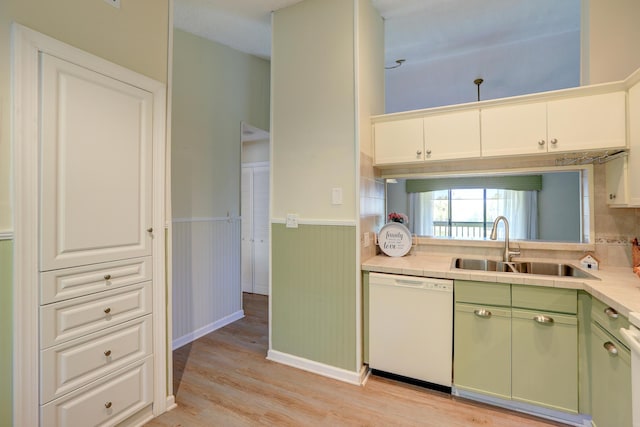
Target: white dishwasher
point(411, 327)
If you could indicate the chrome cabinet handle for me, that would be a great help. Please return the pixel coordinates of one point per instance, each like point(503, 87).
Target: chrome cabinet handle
point(108, 405)
point(554, 141)
point(482, 312)
point(611, 348)
point(541, 142)
point(107, 353)
point(543, 319)
point(611, 313)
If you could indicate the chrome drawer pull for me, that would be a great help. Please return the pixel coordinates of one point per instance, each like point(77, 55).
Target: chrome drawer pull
point(107, 277)
point(482, 313)
point(108, 405)
point(611, 313)
point(611, 348)
point(543, 319)
point(107, 310)
point(107, 353)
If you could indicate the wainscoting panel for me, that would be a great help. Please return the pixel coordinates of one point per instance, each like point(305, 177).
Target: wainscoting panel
point(314, 293)
point(206, 276)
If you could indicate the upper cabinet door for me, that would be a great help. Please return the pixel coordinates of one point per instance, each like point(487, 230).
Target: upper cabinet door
point(96, 136)
point(454, 135)
point(400, 141)
point(514, 129)
point(587, 122)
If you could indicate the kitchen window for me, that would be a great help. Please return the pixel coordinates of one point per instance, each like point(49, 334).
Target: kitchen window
point(468, 213)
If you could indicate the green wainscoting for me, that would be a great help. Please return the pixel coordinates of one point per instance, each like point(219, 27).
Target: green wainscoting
point(6, 336)
point(314, 293)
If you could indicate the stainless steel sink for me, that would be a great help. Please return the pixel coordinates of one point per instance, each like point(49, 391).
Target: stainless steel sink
point(538, 268)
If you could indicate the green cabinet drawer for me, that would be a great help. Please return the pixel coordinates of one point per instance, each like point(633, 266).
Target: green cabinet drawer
point(542, 298)
point(611, 380)
point(608, 318)
point(545, 359)
point(482, 349)
point(482, 292)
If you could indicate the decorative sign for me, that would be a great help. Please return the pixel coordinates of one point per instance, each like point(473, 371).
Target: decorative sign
point(394, 239)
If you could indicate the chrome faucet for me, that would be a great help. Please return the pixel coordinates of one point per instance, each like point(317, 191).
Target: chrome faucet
point(506, 257)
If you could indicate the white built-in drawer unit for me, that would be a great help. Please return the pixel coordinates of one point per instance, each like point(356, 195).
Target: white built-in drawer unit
point(75, 363)
point(107, 401)
point(58, 285)
point(65, 320)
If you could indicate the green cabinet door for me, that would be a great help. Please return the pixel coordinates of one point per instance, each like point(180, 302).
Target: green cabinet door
point(610, 380)
point(545, 359)
point(482, 349)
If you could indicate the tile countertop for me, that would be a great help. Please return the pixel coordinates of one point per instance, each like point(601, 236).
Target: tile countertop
point(618, 287)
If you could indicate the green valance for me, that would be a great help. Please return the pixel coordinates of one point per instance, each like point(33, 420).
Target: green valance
point(520, 182)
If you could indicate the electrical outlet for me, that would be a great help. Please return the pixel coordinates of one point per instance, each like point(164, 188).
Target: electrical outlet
point(292, 221)
point(114, 3)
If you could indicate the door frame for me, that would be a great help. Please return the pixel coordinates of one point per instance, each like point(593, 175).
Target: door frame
point(27, 45)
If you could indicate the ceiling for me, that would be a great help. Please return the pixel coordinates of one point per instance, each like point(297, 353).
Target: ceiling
point(415, 30)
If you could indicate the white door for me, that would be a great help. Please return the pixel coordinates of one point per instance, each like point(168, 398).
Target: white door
point(255, 229)
point(96, 167)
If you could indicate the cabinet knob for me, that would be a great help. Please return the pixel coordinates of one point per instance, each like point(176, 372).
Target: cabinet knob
point(107, 310)
point(108, 405)
point(107, 277)
point(419, 153)
point(543, 319)
point(541, 142)
point(611, 313)
point(428, 152)
point(554, 141)
point(107, 353)
point(611, 348)
point(150, 229)
point(482, 313)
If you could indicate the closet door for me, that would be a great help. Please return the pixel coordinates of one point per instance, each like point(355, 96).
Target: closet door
point(246, 230)
point(96, 136)
point(261, 230)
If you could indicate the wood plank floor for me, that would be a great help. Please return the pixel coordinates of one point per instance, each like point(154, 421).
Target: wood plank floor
point(223, 379)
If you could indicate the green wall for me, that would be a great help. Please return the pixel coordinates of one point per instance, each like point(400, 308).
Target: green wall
point(313, 293)
point(215, 88)
point(6, 258)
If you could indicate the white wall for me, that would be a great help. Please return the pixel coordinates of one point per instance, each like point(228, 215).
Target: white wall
point(255, 151)
point(313, 111)
point(613, 36)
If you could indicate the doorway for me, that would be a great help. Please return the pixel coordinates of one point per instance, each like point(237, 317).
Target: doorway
point(254, 210)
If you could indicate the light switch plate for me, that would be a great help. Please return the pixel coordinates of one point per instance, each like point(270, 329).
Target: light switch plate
point(336, 196)
point(292, 221)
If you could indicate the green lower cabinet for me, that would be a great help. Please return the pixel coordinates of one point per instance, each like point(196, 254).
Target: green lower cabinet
point(482, 349)
point(610, 380)
point(545, 359)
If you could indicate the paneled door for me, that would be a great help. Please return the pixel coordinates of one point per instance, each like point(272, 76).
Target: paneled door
point(96, 167)
point(255, 229)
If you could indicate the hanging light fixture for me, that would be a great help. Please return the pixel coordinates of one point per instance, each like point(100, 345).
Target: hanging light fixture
point(478, 82)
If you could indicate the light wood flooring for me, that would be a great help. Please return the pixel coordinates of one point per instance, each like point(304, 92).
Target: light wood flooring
point(223, 379)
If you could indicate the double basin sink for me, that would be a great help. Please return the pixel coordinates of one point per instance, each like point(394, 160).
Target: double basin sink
point(537, 268)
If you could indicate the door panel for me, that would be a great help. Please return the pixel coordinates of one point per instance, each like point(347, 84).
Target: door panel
point(96, 167)
point(261, 230)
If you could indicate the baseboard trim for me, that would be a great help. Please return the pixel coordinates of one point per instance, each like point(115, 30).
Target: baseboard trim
point(200, 332)
point(356, 378)
point(171, 403)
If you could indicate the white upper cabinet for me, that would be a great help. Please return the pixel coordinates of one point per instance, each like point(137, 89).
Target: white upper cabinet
point(96, 167)
point(514, 129)
point(623, 174)
point(400, 141)
point(591, 122)
point(453, 135)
